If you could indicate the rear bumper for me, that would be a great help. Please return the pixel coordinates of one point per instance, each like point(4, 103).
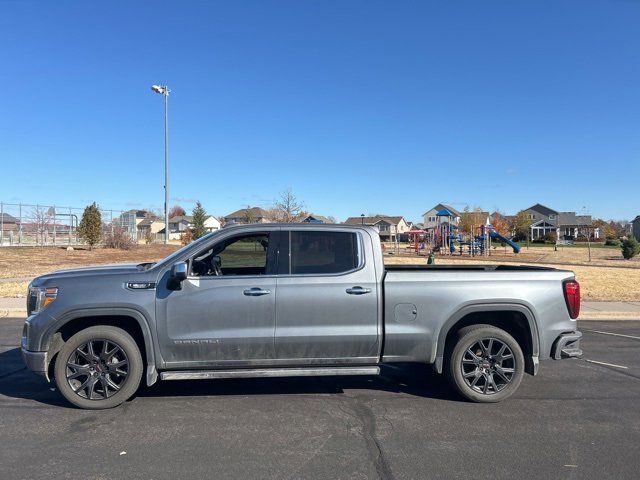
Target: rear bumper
point(567, 345)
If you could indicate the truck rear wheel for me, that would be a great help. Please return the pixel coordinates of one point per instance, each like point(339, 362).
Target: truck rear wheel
point(99, 367)
point(485, 364)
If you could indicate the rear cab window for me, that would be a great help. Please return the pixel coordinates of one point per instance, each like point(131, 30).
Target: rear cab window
point(322, 252)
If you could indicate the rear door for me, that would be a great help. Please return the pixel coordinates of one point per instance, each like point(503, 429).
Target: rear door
point(326, 307)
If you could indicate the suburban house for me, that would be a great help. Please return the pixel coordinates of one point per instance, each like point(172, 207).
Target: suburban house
point(8, 222)
point(149, 225)
point(389, 227)
point(431, 219)
point(567, 225)
point(248, 215)
point(635, 229)
point(312, 218)
point(571, 226)
point(501, 216)
point(181, 223)
point(543, 219)
point(133, 216)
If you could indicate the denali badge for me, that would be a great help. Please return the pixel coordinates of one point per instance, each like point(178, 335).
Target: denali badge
point(195, 341)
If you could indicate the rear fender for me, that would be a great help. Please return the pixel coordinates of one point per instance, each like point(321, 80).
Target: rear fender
point(532, 362)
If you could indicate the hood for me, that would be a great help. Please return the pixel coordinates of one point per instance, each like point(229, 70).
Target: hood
point(114, 269)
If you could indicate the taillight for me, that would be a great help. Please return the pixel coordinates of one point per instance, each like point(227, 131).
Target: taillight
point(572, 297)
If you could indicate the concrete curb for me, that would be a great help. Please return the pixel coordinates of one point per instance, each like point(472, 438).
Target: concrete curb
point(12, 312)
point(610, 316)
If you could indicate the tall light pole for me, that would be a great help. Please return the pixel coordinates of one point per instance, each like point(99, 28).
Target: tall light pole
point(164, 91)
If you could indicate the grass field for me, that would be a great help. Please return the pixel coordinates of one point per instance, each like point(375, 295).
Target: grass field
point(18, 264)
point(608, 277)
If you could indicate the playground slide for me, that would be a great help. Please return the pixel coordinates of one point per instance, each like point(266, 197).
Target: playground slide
point(511, 243)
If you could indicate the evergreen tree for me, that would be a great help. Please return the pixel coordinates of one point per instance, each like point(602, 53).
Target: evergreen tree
point(199, 217)
point(90, 228)
point(630, 247)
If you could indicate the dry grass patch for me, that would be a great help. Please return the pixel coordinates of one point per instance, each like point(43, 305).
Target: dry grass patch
point(22, 262)
point(13, 289)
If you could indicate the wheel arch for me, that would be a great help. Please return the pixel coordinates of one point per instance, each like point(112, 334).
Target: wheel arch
point(517, 319)
point(130, 320)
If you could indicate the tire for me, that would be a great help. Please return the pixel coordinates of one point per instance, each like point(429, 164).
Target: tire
point(485, 365)
point(99, 367)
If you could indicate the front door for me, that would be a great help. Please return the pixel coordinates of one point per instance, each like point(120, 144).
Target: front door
point(327, 303)
point(224, 314)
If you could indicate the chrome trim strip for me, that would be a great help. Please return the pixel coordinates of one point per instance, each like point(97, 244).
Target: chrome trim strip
point(267, 372)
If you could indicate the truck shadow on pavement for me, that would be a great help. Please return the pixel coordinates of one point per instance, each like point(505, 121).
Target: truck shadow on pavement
point(416, 380)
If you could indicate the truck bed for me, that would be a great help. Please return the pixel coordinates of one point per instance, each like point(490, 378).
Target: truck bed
point(458, 268)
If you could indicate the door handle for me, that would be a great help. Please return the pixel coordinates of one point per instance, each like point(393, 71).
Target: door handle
point(358, 290)
point(256, 292)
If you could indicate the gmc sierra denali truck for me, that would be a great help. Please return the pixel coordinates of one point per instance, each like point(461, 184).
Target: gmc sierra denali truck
point(274, 300)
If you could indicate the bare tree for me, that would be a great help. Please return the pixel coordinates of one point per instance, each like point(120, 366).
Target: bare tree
point(42, 222)
point(288, 208)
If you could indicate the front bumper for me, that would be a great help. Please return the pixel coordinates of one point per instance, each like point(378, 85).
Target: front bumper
point(35, 361)
point(567, 345)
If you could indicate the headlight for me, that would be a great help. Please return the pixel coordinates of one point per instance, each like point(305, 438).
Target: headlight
point(39, 298)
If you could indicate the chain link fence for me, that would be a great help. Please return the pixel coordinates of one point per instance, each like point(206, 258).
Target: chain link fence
point(23, 224)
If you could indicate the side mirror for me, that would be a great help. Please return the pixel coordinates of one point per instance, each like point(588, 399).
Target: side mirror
point(178, 274)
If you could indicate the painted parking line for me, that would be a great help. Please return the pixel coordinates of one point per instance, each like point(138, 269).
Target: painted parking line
point(613, 334)
point(606, 364)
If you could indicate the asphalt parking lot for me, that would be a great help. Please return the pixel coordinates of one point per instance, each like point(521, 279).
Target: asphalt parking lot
point(577, 419)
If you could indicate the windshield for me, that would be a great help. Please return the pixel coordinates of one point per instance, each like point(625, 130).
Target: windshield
point(178, 253)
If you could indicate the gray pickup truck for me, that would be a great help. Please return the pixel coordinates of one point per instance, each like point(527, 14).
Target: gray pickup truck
point(275, 300)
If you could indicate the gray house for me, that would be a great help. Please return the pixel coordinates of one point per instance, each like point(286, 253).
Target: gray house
point(635, 228)
point(543, 220)
point(572, 226)
point(567, 225)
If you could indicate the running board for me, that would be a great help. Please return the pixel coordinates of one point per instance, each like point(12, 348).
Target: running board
point(267, 372)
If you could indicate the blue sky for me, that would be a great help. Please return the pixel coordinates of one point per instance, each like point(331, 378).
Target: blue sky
point(358, 106)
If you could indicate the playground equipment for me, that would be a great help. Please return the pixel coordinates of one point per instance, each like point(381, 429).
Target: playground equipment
point(447, 239)
point(417, 239)
point(496, 236)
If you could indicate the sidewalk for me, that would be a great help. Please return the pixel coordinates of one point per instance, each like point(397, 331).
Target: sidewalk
point(16, 307)
point(609, 311)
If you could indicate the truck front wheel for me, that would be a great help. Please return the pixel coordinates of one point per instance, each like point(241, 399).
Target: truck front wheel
point(99, 367)
point(485, 364)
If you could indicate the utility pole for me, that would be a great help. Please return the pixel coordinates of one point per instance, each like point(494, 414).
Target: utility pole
point(164, 91)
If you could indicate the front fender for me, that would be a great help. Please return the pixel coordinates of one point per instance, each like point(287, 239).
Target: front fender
point(52, 343)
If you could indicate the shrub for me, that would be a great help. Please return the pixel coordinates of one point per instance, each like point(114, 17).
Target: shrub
point(186, 238)
point(612, 242)
point(120, 239)
point(630, 248)
point(550, 237)
point(148, 236)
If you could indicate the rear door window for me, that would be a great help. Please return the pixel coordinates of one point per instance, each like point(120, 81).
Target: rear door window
point(318, 252)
